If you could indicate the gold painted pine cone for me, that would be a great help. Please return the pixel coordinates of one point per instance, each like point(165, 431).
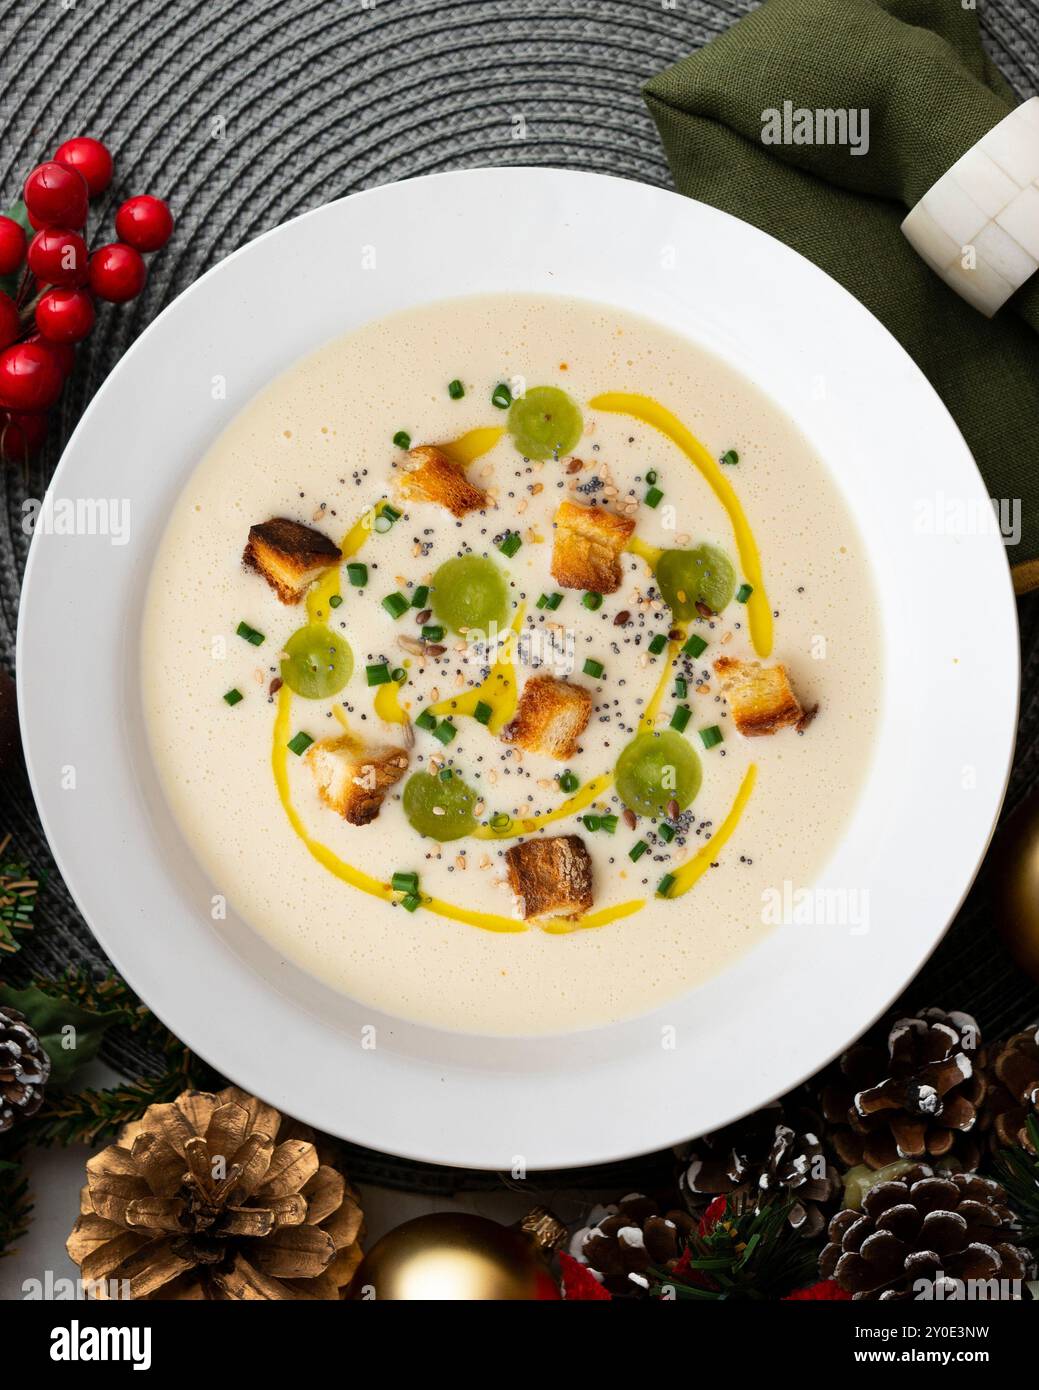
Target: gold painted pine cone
point(217, 1197)
point(921, 1233)
point(1011, 1071)
point(915, 1094)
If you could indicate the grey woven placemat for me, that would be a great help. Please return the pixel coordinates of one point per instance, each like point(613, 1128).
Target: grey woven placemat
point(244, 113)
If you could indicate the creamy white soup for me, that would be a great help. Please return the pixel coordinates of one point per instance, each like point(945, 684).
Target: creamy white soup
point(505, 658)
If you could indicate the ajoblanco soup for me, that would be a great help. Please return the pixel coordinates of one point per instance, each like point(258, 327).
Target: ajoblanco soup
point(504, 658)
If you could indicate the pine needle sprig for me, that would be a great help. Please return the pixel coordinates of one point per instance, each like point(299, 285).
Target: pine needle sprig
point(17, 899)
point(15, 1202)
point(746, 1254)
point(1018, 1171)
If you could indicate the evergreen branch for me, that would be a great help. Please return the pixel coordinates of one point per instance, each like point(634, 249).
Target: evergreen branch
point(749, 1253)
point(17, 900)
point(15, 1203)
point(1018, 1170)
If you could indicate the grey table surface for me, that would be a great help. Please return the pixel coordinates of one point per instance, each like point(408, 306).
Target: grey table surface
point(244, 113)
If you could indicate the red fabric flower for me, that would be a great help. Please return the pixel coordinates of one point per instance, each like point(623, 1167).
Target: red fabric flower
point(712, 1216)
point(827, 1290)
point(579, 1283)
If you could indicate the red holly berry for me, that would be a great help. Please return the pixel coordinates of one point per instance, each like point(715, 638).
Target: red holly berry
point(56, 196)
point(10, 320)
point(89, 158)
point(21, 434)
point(64, 354)
point(12, 245)
point(827, 1290)
point(58, 257)
point(30, 377)
point(117, 272)
point(65, 316)
point(144, 222)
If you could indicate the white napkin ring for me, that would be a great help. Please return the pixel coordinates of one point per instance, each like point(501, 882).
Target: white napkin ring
point(978, 226)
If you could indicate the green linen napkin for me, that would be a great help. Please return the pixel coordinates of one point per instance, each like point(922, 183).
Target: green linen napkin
point(918, 68)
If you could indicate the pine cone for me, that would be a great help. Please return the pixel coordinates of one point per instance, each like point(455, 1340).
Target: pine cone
point(1011, 1072)
point(622, 1241)
point(922, 1233)
point(915, 1095)
point(216, 1197)
point(773, 1153)
point(24, 1068)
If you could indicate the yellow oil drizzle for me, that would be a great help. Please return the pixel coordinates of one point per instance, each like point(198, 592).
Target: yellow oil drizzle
point(498, 690)
point(526, 825)
point(469, 447)
point(651, 412)
point(560, 926)
point(650, 553)
point(388, 705)
point(693, 869)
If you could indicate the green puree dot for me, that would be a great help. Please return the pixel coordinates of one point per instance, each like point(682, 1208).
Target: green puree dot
point(317, 662)
point(442, 810)
point(545, 422)
point(656, 769)
point(469, 592)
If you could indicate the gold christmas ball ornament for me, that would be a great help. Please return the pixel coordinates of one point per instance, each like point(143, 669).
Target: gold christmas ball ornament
point(451, 1256)
point(216, 1196)
point(1015, 878)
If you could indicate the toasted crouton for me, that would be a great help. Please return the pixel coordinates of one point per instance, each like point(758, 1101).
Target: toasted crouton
point(586, 547)
point(760, 697)
point(352, 779)
point(432, 477)
point(551, 716)
point(289, 555)
point(551, 876)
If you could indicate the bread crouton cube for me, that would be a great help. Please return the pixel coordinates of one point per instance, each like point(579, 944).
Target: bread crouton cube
point(587, 546)
point(551, 716)
point(760, 697)
point(551, 876)
point(353, 779)
point(433, 477)
point(289, 555)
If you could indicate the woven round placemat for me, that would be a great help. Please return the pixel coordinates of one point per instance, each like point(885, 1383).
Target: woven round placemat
point(244, 113)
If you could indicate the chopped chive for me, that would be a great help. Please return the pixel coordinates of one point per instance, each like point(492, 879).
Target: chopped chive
point(510, 543)
point(709, 737)
point(730, 457)
point(250, 634)
point(445, 731)
point(593, 668)
point(335, 600)
point(501, 820)
point(399, 675)
point(552, 601)
point(432, 632)
point(378, 673)
point(501, 396)
point(658, 643)
point(695, 646)
point(455, 389)
point(395, 604)
point(744, 592)
point(681, 689)
point(410, 902)
point(402, 439)
point(482, 713)
point(420, 596)
point(666, 832)
point(665, 885)
point(425, 720)
point(446, 774)
point(592, 822)
point(609, 824)
point(404, 882)
point(637, 850)
point(651, 477)
point(233, 697)
point(300, 743)
point(681, 717)
point(653, 497)
point(385, 519)
point(357, 574)
point(568, 782)
point(591, 600)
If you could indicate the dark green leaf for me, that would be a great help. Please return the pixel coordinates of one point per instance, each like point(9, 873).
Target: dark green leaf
point(68, 1050)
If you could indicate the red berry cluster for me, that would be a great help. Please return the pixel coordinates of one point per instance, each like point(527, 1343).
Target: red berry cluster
point(48, 305)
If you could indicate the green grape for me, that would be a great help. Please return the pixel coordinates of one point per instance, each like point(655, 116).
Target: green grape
point(442, 810)
point(317, 663)
point(470, 592)
point(544, 422)
point(655, 769)
point(704, 574)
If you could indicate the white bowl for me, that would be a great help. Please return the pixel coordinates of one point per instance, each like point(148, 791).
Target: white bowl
point(950, 672)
